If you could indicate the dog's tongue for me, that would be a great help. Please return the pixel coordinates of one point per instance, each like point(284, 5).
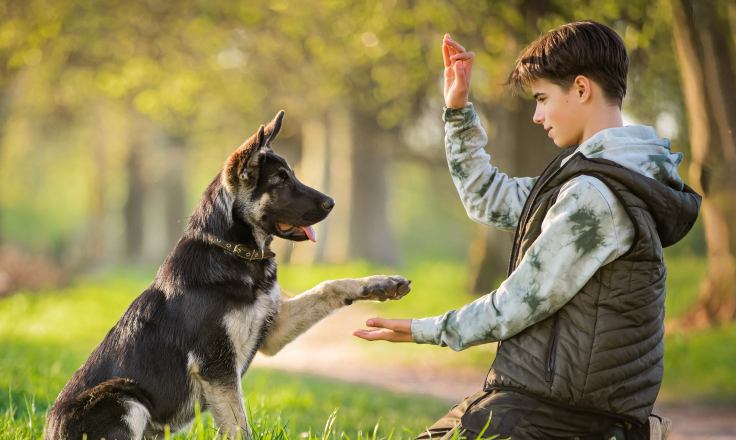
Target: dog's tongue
point(310, 232)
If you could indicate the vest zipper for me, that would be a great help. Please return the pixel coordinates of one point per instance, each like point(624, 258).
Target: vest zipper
point(552, 352)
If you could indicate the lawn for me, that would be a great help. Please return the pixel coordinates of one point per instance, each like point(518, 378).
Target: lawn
point(45, 336)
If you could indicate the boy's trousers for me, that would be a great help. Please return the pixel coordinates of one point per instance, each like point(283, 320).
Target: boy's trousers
point(518, 416)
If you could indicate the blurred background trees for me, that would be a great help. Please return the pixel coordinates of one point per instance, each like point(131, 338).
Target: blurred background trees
point(114, 116)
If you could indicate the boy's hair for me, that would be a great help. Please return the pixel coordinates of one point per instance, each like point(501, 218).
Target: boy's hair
point(585, 48)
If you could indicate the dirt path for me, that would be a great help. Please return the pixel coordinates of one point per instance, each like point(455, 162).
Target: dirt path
point(329, 350)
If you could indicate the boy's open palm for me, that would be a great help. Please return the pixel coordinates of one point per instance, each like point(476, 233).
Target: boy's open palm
point(392, 330)
point(458, 65)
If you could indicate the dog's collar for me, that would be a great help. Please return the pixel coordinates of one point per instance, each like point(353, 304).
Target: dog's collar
point(241, 251)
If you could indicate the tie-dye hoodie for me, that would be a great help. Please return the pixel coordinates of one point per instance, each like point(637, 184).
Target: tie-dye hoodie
point(585, 229)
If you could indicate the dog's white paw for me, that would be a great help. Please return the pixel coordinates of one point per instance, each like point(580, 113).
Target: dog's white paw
point(380, 288)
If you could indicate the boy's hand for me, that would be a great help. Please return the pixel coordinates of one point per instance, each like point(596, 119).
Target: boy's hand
point(458, 65)
point(392, 330)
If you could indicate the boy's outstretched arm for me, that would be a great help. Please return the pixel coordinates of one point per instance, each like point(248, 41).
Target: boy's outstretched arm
point(489, 196)
point(583, 231)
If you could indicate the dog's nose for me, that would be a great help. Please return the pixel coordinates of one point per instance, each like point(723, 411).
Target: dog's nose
point(328, 204)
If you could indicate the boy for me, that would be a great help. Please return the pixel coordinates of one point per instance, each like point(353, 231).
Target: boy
point(581, 312)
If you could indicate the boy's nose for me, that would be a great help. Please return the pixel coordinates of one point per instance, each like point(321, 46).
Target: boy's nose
point(538, 117)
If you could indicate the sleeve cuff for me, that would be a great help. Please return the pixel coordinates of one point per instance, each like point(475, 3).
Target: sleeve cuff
point(464, 114)
point(424, 331)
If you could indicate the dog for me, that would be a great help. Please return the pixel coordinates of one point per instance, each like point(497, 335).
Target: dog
point(213, 304)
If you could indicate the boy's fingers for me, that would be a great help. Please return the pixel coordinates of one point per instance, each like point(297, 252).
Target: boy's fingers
point(453, 45)
point(446, 55)
point(451, 50)
point(400, 325)
point(463, 56)
point(376, 322)
point(373, 334)
point(461, 82)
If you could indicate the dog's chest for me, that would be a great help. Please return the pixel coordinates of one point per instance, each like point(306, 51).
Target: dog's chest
point(246, 327)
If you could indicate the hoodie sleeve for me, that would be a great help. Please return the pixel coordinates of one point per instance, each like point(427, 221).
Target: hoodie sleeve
point(585, 229)
point(489, 196)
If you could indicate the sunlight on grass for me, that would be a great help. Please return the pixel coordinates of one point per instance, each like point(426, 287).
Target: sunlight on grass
point(45, 336)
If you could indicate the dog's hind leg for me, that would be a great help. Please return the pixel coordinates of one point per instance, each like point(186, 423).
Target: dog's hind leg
point(296, 315)
point(225, 403)
point(115, 409)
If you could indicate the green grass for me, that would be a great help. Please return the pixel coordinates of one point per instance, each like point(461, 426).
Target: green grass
point(45, 336)
point(700, 366)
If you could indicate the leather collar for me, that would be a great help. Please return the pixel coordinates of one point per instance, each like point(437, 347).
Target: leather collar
point(241, 251)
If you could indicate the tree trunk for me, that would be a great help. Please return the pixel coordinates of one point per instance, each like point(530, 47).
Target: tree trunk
point(340, 145)
point(707, 76)
point(312, 171)
point(7, 95)
point(371, 237)
point(174, 194)
point(490, 249)
point(133, 209)
point(96, 243)
point(519, 148)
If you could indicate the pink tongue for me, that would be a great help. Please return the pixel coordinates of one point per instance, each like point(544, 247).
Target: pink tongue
point(310, 232)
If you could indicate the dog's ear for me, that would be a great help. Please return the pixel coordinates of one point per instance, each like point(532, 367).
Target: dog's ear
point(244, 163)
point(273, 128)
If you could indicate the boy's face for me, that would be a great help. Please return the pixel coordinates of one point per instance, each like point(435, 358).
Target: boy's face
point(559, 112)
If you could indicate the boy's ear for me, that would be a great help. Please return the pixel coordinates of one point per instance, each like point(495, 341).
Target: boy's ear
point(582, 87)
point(244, 163)
point(273, 128)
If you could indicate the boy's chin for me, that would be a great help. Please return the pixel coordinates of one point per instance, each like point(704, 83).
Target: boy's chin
point(563, 143)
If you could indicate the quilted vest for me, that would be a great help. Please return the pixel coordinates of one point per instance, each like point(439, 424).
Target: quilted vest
point(603, 351)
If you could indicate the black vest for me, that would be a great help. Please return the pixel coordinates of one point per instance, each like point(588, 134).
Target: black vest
point(603, 350)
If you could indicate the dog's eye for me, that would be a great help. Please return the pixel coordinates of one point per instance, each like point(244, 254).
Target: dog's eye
point(279, 181)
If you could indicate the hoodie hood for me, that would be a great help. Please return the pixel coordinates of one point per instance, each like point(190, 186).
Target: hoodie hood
point(637, 148)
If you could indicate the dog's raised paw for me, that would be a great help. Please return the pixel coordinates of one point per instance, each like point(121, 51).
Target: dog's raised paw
point(384, 287)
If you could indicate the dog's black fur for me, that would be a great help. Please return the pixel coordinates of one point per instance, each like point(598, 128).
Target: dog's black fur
point(193, 333)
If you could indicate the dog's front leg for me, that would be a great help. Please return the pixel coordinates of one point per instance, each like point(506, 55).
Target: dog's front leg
point(225, 403)
point(296, 315)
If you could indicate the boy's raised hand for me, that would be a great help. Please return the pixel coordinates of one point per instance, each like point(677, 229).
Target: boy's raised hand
point(458, 65)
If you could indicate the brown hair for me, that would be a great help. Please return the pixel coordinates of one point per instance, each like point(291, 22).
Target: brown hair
point(585, 48)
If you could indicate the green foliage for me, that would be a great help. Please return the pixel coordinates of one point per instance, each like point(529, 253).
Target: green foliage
point(84, 79)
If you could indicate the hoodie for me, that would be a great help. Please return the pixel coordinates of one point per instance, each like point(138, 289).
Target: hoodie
point(585, 229)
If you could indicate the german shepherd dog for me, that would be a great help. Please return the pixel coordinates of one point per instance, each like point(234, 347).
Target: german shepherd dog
point(214, 302)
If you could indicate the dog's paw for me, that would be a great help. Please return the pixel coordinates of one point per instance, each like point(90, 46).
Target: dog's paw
point(381, 288)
